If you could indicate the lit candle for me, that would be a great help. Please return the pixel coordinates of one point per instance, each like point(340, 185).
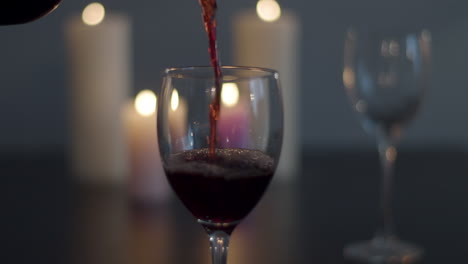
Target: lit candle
point(233, 122)
point(270, 38)
point(147, 182)
point(99, 54)
point(178, 122)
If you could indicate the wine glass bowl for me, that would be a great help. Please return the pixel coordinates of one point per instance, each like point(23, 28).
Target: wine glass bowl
point(386, 74)
point(221, 187)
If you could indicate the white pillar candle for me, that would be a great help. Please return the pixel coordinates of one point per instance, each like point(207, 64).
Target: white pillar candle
point(99, 55)
point(274, 44)
point(147, 181)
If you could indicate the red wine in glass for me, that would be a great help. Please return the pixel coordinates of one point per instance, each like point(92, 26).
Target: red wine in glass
point(220, 190)
point(23, 11)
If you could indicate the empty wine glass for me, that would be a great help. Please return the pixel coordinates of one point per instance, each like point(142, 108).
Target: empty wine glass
point(385, 75)
point(221, 187)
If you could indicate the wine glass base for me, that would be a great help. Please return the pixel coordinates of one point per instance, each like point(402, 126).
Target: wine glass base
point(380, 250)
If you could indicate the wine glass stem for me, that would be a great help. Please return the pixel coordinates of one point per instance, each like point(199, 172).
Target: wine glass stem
point(387, 155)
point(219, 242)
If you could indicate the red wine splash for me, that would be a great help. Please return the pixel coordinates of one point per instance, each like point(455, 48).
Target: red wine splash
point(209, 21)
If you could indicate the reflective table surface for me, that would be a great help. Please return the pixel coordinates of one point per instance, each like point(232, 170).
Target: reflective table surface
point(47, 218)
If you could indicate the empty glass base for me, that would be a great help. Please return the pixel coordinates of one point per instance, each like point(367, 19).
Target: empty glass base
point(379, 250)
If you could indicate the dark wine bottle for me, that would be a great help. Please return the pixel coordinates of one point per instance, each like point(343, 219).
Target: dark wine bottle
point(24, 11)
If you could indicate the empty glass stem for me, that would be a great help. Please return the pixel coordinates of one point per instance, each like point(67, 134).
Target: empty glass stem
point(219, 241)
point(387, 155)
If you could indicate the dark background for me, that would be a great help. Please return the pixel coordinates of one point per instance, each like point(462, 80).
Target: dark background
point(34, 65)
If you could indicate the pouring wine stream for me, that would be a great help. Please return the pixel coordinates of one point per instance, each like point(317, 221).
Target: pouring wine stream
point(209, 20)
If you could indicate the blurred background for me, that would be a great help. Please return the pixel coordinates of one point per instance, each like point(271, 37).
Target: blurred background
point(45, 217)
point(35, 86)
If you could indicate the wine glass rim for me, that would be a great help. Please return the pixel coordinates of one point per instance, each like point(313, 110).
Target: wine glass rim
point(178, 72)
point(352, 31)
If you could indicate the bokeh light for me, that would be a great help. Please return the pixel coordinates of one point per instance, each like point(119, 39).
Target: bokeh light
point(145, 103)
point(268, 10)
point(93, 14)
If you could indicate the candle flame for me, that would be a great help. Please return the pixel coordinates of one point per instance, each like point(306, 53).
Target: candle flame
point(93, 14)
point(349, 77)
point(391, 153)
point(146, 102)
point(174, 100)
point(268, 10)
point(230, 94)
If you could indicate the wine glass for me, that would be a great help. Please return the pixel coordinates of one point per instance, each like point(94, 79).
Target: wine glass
point(222, 186)
point(385, 75)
